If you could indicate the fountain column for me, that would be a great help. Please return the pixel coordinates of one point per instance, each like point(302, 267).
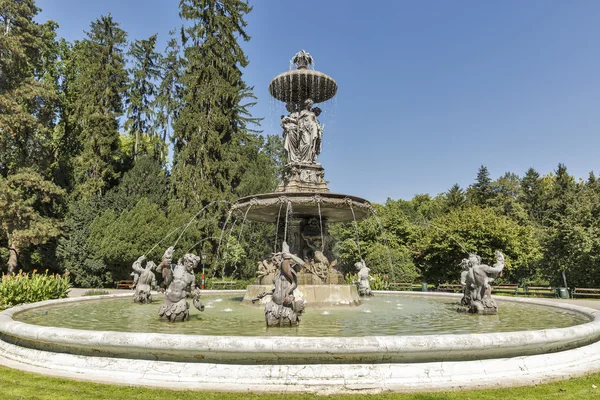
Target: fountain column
point(302, 204)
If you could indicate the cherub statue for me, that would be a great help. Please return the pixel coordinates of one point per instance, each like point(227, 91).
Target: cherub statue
point(145, 282)
point(362, 284)
point(476, 278)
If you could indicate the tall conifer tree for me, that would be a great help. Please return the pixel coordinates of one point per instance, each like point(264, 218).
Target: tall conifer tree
point(213, 120)
point(168, 98)
point(99, 87)
point(142, 92)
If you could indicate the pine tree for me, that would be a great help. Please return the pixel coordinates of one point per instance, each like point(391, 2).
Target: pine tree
point(532, 195)
point(213, 120)
point(481, 191)
point(99, 85)
point(168, 99)
point(455, 197)
point(142, 92)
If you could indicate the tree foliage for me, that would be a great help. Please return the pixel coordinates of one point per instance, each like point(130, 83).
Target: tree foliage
point(98, 89)
point(29, 205)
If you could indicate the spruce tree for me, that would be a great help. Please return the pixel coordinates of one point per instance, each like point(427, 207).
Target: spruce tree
point(142, 92)
point(481, 191)
point(532, 195)
point(212, 124)
point(99, 85)
point(169, 91)
point(455, 197)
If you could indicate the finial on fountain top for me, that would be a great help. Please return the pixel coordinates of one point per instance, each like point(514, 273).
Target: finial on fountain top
point(302, 59)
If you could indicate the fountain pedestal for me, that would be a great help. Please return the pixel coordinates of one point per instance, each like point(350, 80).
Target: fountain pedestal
point(315, 296)
point(303, 178)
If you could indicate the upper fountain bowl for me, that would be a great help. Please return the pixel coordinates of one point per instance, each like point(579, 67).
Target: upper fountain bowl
point(269, 207)
point(301, 84)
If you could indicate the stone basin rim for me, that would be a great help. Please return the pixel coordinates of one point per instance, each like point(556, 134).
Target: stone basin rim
point(265, 207)
point(287, 93)
point(293, 350)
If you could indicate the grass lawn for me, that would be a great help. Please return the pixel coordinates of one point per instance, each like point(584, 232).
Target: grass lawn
point(22, 385)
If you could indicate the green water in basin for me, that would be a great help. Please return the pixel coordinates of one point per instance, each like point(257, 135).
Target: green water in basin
point(380, 315)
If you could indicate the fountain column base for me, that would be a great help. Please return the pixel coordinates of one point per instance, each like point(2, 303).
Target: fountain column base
point(314, 295)
point(303, 178)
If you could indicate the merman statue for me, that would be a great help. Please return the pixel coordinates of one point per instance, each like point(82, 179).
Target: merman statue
point(182, 284)
point(283, 309)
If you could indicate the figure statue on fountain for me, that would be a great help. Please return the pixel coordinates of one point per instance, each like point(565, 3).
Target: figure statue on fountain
point(283, 309)
point(362, 284)
point(476, 278)
point(145, 282)
point(302, 133)
point(182, 284)
point(268, 268)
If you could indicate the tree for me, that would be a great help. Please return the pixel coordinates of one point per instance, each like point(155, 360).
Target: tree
point(142, 92)
point(168, 99)
point(99, 86)
point(450, 238)
point(532, 195)
point(506, 192)
point(27, 95)
point(118, 239)
point(212, 124)
point(455, 197)
point(29, 205)
point(481, 191)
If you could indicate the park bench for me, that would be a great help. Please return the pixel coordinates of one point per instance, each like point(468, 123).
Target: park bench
point(508, 288)
point(124, 284)
point(222, 284)
point(586, 292)
point(450, 287)
point(400, 286)
point(540, 290)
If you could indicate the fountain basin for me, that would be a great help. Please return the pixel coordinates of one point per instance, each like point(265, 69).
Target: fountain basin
point(303, 363)
point(300, 84)
point(270, 207)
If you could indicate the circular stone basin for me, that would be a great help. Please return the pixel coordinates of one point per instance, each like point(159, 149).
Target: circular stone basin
point(300, 84)
point(375, 351)
point(271, 207)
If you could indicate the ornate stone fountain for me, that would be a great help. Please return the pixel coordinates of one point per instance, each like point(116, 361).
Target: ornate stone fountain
point(302, 205)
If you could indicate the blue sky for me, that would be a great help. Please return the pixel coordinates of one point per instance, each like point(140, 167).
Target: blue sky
point(428, 90)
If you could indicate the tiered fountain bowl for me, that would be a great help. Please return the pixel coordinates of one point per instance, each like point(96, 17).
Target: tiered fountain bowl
point(303, 194)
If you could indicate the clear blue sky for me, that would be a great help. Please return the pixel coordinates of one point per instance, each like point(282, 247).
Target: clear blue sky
point(428, 90)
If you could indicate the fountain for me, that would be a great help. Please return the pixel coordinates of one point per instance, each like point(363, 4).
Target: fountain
point(307, 205)
point(395, 341)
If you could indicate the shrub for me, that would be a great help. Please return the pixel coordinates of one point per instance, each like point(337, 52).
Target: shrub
point(24, 288)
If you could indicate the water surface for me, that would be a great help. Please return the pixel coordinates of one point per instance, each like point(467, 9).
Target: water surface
point(378, 315)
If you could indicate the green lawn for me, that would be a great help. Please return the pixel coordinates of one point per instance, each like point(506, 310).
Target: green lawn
point(21, 385)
